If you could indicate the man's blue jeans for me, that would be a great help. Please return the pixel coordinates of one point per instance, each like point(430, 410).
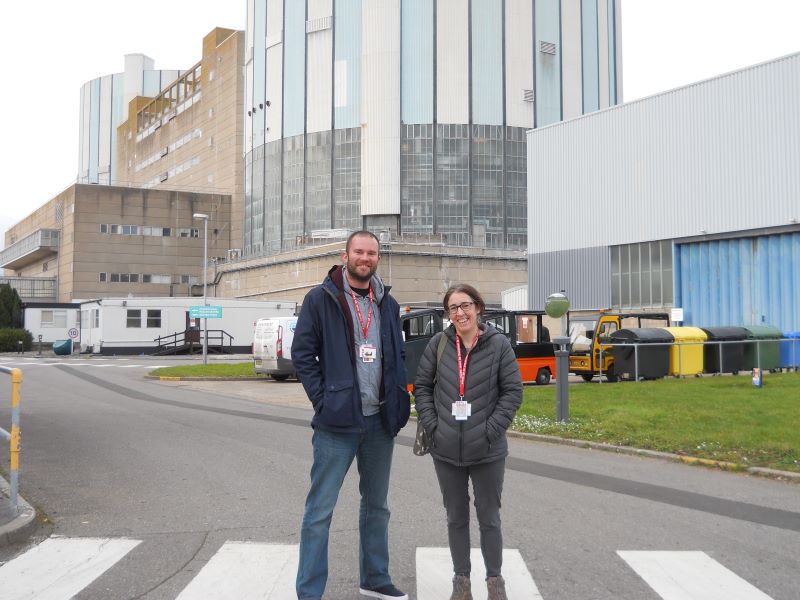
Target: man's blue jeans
point(333, 455)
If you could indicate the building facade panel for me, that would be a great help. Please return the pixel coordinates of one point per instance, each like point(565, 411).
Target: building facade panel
point(547, 49)
point(590, 48)
point(603, 67)
point(294, 68)
point(742, 281)
point(319, 82)
point(380, 135)
point(519, 63)
point(730, 143)
point(452, 61)
point(347, 64)
point(416, 63)
point(486, 85)
point(583, 274)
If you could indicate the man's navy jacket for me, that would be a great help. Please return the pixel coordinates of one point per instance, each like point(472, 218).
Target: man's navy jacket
point(324, 358)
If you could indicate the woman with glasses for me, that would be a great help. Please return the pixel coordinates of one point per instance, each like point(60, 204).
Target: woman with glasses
point(467, 391)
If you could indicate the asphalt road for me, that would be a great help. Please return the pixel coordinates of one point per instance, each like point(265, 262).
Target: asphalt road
point(186, 467)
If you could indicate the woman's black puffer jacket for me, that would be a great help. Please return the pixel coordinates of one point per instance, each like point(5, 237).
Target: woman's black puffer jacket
point(493, 387)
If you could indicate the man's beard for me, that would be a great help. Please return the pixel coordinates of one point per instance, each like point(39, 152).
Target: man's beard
point(351, 270)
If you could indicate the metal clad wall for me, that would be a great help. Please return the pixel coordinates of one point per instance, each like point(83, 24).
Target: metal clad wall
point(487, 62)
point(380, 106)
point(591, 81)
point(452, 61)
point(259, 72)
point(584, 275)
point(602, 49)
point(320, 73)
point(347, 69)
point(294, 80)
point(274, 70)
point(417, 61)
point(695, 159)
point(548, 66)
point(747, 281)
point(106, 125)
point(248, 82)
point(519, 62)
point(572, 80)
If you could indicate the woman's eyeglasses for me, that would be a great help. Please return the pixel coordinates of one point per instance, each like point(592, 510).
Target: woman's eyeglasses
point(464, 306)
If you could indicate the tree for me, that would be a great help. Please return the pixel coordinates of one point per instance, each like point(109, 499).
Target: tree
point(10, 307)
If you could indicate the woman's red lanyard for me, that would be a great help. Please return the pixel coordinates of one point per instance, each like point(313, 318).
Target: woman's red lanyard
point(462, 369)
point(364, 328)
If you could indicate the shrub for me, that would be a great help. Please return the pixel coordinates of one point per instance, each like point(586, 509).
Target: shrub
point(10, 337)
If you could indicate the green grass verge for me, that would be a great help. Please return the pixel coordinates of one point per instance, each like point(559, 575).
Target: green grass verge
point(244, 369)
point(718, 418)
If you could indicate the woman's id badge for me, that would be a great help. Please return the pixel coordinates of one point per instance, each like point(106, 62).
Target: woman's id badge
point(462, 410)
point(368, 353)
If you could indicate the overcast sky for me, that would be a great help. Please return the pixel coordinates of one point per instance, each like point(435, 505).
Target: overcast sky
point(50, 48)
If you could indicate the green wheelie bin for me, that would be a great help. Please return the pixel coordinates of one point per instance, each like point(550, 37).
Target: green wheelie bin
point(764, 349)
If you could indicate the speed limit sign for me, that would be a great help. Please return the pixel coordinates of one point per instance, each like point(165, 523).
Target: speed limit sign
point(73, 333)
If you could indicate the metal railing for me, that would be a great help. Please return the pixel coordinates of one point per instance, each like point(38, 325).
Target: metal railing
point(793, 363)
point(13, 437)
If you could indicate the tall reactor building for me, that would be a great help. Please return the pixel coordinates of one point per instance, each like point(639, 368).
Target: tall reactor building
point(409, 116)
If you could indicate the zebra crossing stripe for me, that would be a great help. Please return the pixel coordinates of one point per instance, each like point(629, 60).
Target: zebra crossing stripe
point(59, 568)
point(247, 571)
point(435, 575)
point(689, 576)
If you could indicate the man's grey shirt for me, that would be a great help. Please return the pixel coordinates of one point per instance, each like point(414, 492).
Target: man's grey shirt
point(369, 373)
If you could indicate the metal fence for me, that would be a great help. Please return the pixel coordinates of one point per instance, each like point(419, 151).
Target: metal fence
point(13, 437)
point(792, 362)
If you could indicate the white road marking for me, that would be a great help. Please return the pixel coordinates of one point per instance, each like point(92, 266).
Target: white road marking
point(59, 568)
point(82, 364)
point(435, 575)
point(689, 576)
point(247, 571)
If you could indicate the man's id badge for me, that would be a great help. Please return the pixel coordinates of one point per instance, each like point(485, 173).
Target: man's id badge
point(368, 353)
point(462, 410)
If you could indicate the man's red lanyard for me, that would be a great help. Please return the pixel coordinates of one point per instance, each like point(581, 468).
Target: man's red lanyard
point(462, 369)
point(364, 328)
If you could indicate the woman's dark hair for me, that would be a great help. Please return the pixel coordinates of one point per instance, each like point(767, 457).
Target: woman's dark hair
point(470, 291)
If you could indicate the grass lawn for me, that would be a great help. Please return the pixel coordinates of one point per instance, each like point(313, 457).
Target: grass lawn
point(720, 418)
point(244, 369)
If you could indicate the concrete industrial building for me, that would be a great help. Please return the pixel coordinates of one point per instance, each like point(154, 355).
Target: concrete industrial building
point(104, 105)
point(188, 137)
point(409, 118)
point(96, 241)
point(689, 199)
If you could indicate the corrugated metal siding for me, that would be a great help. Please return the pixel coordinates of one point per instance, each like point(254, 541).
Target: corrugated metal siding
point(320, 74)
point(584, 275)
point(519, 62)
point(380, 131)
point(571, 79)
point(452, 61)
point(515, 298)
point(747, 281)
point(716, 156)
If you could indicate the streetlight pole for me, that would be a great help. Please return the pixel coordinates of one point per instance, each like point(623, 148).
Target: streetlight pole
point(204, 217)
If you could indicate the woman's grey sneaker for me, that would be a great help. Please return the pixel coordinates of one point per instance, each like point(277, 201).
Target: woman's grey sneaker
point(462, 588)
point(385, 592)
point(497, 588)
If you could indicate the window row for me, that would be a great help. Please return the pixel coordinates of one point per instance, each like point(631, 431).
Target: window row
point(148, 230)
point(54, 318)
point(147, 278)
point(152, 318)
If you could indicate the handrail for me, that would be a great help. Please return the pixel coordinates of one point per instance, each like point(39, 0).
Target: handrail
point(14, 436)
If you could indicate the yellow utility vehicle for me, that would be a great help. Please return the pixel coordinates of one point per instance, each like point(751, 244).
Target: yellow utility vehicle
point(589, 334)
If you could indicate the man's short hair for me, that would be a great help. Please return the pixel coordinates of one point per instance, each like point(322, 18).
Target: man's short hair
point(360, 233)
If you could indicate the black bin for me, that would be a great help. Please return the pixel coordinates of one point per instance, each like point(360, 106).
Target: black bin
point(730, 353)
point(653, 359)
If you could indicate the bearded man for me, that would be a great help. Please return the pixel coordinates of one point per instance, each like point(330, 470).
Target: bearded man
point(348, 354)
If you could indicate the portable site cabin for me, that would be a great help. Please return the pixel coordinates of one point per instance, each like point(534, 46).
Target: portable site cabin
point(149, 325)
point(51, 320)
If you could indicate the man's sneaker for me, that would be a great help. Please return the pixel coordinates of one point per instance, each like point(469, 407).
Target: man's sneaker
point(385, 592)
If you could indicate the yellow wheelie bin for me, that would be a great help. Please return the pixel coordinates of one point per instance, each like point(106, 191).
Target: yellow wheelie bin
point(686, 355)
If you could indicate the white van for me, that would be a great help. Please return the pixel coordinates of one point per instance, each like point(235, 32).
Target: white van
point(272, 347)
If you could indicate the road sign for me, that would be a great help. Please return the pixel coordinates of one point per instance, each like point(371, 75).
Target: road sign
point(205, 312)
point(73, 333)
